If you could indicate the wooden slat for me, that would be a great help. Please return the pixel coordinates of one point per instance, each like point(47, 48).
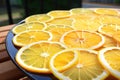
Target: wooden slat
point(2, 40)
point(6, 28)
point(2, 47)
point(4, 56)
point(3, 34)
point(8, 71)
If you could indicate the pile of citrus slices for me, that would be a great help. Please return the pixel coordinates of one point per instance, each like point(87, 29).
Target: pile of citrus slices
point(76, 44)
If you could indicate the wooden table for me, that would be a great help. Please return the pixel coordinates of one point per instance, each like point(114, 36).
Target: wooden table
point(8, 71)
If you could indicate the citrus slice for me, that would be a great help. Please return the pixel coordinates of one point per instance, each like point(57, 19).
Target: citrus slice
point(59, 13)
point(82, 39)
point(38, 17)
point(58, 30)
point(106, 11)
point(28, 37)
point(28, 26)
point(110, 42)
point(105, 19)
point(35, 57)
point(76, 11)
point(86, 24)
point(116, 36)
point(61, 21)
point(110, 59)
point(86, 68)
point(109, 29)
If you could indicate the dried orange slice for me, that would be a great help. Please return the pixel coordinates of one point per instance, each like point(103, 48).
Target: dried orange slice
point(76, 11)
point(109, 29)
point(38, 17)
point(59, 13)
point(106, 11)
point(109, 19)
point(28, 26)
point(57, 31)
point(35, 57)
point(86, 68)
point(28, 37)
point(86, 24)
point(110, 59)
point(82, 39)
point(61, 21)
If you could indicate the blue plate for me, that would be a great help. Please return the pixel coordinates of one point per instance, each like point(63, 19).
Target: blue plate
point(12, 50)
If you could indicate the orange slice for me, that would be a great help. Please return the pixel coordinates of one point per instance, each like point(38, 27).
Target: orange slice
point(76, 11)
point(86, 24)
point(61, 21)
point(28, 26)
point(35, 57)
point(28, 37)
point(110, 59)
point(86, 68)
point(109, 29)
point(82, 39)
point(57, 31)
point(38, 17)
point(59, 13)
point(106, 11)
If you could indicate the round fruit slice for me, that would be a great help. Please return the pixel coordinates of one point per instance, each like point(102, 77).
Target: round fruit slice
point(110, 59)
point(38, 17)
point(106, 11)
point(76, 11)
point(86, 68)
point(109, 29)
point(82, 39)
point(28, 26)
point(59, 13)
point(28, 37)
point(86, 24)
point(61, 21)
point(57, 31)
point(36, 56)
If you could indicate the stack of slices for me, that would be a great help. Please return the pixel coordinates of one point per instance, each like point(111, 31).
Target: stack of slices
point(76, 44)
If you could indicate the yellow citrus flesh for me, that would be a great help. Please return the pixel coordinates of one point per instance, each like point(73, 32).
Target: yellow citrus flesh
point(82, 39)
point(28, 26)
point(64, 60)
point(86, 68)
point(35, 57)
point(57, 31)
point(59, 13)
point(28, 37)
point(106, 11)
point(76, 11)
point(110, 42)
point(61, 21)
point(86, 24)
point(110, 59)
point(38, 17)
point(116, 36)
point(109, 19)
point(109, 29)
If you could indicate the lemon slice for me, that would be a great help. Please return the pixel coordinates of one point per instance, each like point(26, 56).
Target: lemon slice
point(28, 26)
point(107, 11)
point(38, 17)
point(59, 13)
point(57, 31)
point(35, 57)
point(82, 39)
point(76, 11)
point(28, 37)
point(110, 59)
point(109, 29)
point(86, 68)
point(61, 21)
